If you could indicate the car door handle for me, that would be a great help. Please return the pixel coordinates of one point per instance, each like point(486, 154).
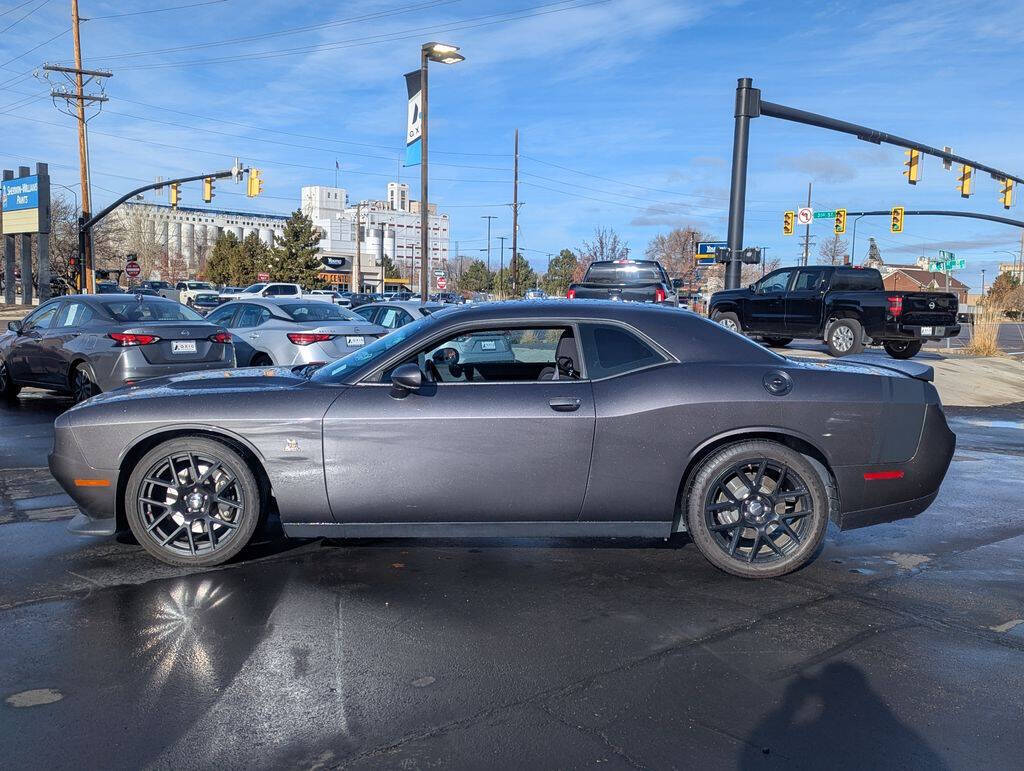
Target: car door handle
point(565, 404)
point(254, 335)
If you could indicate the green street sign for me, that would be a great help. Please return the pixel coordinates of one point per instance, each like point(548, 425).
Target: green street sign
point(947, 265)
point(946, 255)
point(825, 215)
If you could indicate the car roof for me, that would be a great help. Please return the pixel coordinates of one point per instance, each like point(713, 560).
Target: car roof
point(409, 305)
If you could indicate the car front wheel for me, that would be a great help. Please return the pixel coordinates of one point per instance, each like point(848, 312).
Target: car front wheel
point(729, 320)
point(192, 502)
point(8, 388)
point(757, 509)
point(902, 349)
point(845, 336)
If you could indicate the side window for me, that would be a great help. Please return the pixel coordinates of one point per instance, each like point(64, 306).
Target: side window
point(389, 318)
point(775, 282)
point(179, 286)
point(221, 316)
point(288, 289)
point(74, 315)
point(613, 351)
point(366, 313)
point(807, 280)
point(42, 318)
point(252, 316)
point(403, 319)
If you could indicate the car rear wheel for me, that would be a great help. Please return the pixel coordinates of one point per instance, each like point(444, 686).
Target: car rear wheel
point(845, 337)
point(757, 509)
point(729, 320)
point(83, 384)
point(902, 349)
point(778, 342)
point(192, 502)
point(8, 388)
point(261, 360)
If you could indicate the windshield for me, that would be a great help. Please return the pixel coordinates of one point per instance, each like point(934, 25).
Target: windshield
point(150, 310)
point(319, 311)
point(336, 371)
point(199, 285)
point(622, 273)
point(254, 288)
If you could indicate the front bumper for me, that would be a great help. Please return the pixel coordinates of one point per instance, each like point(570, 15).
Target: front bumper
point(866, 502)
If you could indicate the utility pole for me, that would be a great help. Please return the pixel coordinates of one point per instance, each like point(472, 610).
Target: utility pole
point(515, 211)
point(357, 280)
point(488, 217)
point(807, 230)
point(502, 268)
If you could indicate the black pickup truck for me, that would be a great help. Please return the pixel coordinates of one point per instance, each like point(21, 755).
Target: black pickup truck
point(844, 306)
point(636, 280)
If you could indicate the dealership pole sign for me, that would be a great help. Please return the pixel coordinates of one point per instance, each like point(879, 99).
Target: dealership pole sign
point(25, 204)
point(414, 122)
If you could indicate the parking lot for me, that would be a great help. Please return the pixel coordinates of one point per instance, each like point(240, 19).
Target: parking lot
point(901, 645)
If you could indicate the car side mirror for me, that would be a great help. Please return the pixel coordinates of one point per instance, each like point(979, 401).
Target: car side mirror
point(406, 378)
point(15, 326)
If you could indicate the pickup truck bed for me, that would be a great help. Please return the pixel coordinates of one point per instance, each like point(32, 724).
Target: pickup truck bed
point(627, 280)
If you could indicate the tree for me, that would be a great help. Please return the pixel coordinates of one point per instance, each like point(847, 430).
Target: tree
point(606, 245)
point(390, 269)
point(526, 278)
point(1006, 293)
point(561, 269)
point(833, 251)
point(677, 251)
point(221, 260)
point(295, 257)
point(475, 278)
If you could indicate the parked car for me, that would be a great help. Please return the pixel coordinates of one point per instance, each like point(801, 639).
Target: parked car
point(636, 421)
point(85, 344)
point(535, 294)
point(108, 287)
point(271, 289)
point(392, 315)
point(162, 288)
point(450, 298)
point(287, 332)
point(359, 298)
point(204, 302)
point(636, 280)
point(336, 297)
point(188, 291)
point(141, 290)
point(844, 306)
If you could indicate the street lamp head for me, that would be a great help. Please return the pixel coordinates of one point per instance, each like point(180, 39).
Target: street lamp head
point(443, 53)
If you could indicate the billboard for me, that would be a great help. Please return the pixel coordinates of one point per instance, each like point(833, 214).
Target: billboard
point(25, 205)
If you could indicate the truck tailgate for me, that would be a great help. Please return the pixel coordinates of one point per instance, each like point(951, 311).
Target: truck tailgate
point(929, 308)
point(629, 292)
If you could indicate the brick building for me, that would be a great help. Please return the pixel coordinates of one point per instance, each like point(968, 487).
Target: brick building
point(918, 280)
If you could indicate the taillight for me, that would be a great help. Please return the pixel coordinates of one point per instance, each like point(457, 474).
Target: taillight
point(125, 340)
point(871, 476)
point(570, 295)
point(895, 306)
point(308, 338)
point(659, 295)
point(221, 337)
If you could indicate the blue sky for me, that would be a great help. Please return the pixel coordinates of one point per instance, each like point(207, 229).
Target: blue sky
point(624, 109)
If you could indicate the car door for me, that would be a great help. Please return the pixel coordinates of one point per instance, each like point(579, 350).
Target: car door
point(503, 450)
point(766, 306)
point(803, 302)
point(28, 354)
point(245, 330)
point(59, 342)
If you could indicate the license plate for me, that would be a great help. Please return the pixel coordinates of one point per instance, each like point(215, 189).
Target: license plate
point(926, 331)
point(355, 341)
point(488, 345)
point(183, 346)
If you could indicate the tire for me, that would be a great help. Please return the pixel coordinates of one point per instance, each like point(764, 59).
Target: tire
point(225, 513)
point(83, 383)
point(902, 349)
point(8, 388)
point(730, 321)
point(778, 342)
point(845, 337)
point(779, 535)
point(260, 360)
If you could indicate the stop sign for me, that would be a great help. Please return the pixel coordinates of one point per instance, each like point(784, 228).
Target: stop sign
point(442, 282)
point(132, 269)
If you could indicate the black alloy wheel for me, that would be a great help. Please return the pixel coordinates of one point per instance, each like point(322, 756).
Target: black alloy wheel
point(902, 349)
point(82, 384)
point(758, 509)
point(193, 502)
point(8, 389)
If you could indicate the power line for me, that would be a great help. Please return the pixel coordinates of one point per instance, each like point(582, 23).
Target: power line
point(155, 10)
point(13, 8)
point(22, 18)
point(35, 47)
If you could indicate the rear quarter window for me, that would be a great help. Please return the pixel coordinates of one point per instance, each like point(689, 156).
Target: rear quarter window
point(613, 350)
point(856, 280)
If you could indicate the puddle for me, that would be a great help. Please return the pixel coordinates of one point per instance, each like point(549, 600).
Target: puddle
point(908, 561)
point(34, 698)
point(1015, 627)
point(863, 571)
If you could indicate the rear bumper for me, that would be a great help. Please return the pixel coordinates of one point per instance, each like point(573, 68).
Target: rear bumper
point(913, 332)
point(866, 501)
point(132, 366)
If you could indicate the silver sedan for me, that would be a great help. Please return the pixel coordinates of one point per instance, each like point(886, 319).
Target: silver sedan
point(397, 313)
point(287, 332)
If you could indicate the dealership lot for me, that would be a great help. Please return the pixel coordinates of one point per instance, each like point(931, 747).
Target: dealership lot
point(906, 640)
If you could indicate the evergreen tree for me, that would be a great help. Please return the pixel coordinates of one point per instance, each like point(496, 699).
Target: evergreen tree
point(560, 272)
point(295, 257)
point(390, 270)
point(525, 276)
point(250, 259)
point(476, 278)
point(219, 263)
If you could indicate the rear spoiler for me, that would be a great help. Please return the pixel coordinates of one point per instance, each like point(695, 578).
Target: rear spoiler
point(903, 366)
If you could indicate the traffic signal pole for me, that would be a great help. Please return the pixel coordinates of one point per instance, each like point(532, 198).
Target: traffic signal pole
point(746, 108)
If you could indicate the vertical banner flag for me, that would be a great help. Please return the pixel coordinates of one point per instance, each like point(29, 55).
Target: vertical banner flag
point(414, 125)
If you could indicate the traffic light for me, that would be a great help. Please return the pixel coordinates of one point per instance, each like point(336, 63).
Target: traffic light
point(174, 195)
point(966, 173)
point(788, 221)
point(1006, 194)
point(913, 164)
point(208, 189)
point(896, 223)
point(840, 226)
point(255, 184)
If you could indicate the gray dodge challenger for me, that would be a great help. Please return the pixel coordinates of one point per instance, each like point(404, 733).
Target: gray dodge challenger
point(608, 419)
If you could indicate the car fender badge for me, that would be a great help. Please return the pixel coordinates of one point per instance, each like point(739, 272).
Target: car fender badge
point(291, 445)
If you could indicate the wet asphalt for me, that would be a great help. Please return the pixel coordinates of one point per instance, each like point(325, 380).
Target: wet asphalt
point(901, 646)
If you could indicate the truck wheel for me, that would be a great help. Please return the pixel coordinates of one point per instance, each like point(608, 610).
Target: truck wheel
point(902, 349)
point(729, 321)
point(778, 342)
point(845, 337)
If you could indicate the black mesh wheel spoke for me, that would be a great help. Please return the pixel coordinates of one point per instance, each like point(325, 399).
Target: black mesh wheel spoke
point(785, 528)
point(759, 478)
point(727, 526)
point(795, 514)
point(735, 541)
point(752, 554)
point(767, 538)
point(226, 502)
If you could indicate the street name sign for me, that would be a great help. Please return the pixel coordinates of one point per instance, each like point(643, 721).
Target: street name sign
point(825, 215)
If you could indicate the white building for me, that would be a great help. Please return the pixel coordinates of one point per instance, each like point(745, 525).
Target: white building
point(390, 227)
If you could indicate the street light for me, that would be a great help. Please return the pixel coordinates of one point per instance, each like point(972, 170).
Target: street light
point(445, 54)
